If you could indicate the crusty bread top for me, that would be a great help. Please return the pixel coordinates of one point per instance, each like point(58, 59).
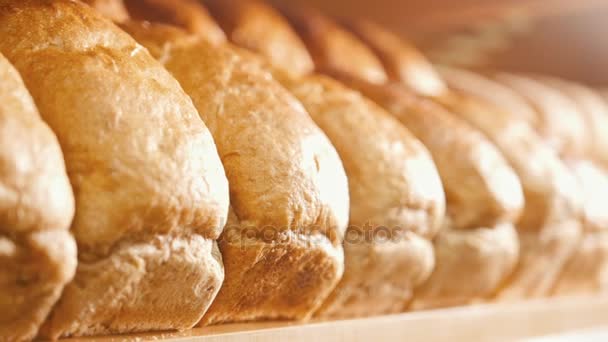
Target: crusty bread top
point(35, 194)
point(283, 172)
point(393, 180)
point(402, 61)
point(481, 189)
point(593, 111)
point(551, 190)
point(258, 27)
point(140, 159)
point(186, 14)
point(485, 88)
point(113, 9)
point(332, 47)
point(558, 120)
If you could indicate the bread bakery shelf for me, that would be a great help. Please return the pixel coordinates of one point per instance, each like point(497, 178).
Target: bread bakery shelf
point(474, 323)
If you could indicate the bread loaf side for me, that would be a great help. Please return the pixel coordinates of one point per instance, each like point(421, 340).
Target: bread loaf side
point(151, 194)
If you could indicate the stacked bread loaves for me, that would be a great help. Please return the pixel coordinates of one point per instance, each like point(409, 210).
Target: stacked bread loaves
point(166, 164)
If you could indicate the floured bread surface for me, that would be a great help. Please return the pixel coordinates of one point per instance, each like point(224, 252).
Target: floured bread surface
point(289, 195)
point(37, 253)
point(151, 193)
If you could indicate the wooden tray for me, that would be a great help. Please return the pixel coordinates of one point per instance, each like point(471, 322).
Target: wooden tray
point(474, 323)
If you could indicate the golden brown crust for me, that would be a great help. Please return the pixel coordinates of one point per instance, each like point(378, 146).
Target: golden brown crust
point(484, 88)
point(151, 194)
point(474, 173)
point(37, 253)
point(550, 190)
point(556, 100)
point(402, 61)
point(289, 200)
point(394, 189)
point(394, 186)
point(257, 27)
point(481, 191)
point(593, 111)
point(329, 44)
point(550, 226)
point(587, 269)
point(471, 265)
point(113, 9)
point(189, 15)
point(558, 121)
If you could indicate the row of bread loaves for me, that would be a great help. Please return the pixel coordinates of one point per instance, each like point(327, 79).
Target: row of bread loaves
point(166, 164)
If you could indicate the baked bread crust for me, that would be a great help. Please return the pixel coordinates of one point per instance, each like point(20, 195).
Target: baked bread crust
point(189, 15)
point(401, 60)
point(493, 190)
point(477, 195)
point(257, 27)
point(587, 270)
point(593, 111)
point(282, 246)
point(554, 101)
point(37, 253)
point(559, 123)
point(520, 145)
point(150, 190)
point(327, 44)
point(553, 199)
point(394, 186)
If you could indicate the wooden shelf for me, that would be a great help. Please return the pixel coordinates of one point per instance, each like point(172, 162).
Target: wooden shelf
point(474, 323)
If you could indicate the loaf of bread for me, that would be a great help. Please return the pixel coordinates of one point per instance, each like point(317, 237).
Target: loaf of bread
point(542, 179)
point(37, 252)
point(309, 23)
point(397, 200)
point(478, 248)
point(282, 248)
point(558, 122)
point(256, 26)
point(554, 101)
point(593, 110)
point(586, 270)
point(394, 186)
point(583, 270)
point(186, 14)
point(401, 61)
point(151, 194)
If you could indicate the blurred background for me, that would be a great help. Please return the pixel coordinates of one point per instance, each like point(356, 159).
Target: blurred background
point(565, 38)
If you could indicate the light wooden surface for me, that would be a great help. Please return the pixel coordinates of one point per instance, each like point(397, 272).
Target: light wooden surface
point(474, 323)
